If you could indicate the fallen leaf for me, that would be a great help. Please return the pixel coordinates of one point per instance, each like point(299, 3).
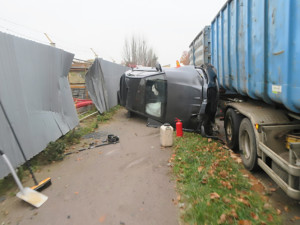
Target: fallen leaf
point(181, 205)
point(234, 214)
point(296, 218)
point(178, 197)
point(226, 184)
point(272, 189)
point(239, 160)
point(214, 195)
point(223, 174)
point(244, 222)
point(211, 171)
point(267, 206)
point(226, 200)
point(265, 198)
point(200, 168)
point(278, 211)
point(102, 219)
point(209, 140)
point(76, 192)
point(286, 208)
point(254, 216)
point(174, 201)
point(244, 201)
point(222, 219)
point(270, 218)
point(258, 187)
point(204, 181)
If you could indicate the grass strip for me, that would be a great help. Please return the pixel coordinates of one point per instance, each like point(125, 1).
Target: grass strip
point(212, 188)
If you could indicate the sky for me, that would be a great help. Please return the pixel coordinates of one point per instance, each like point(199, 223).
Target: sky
point(168, 26)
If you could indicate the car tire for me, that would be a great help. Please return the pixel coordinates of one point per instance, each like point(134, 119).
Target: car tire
point(232, 124)
point(247, 145)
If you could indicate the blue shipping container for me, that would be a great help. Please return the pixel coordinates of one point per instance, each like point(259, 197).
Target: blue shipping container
point(256, 50)
point(200, 48)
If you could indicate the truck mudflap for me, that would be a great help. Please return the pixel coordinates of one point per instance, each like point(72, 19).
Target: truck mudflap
point(290, 184)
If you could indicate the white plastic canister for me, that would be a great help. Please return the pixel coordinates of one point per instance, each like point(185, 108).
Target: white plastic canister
point(166, 135)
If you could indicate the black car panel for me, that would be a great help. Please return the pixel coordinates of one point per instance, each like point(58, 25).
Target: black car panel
point(187, 93)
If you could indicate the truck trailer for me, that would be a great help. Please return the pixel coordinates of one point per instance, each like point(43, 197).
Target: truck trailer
point(255, 47)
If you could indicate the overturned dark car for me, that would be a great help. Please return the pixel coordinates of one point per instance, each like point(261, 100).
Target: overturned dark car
point(188, 93)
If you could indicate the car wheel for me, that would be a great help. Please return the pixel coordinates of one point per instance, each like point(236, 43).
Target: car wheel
point(231, 124)
point(247, 145)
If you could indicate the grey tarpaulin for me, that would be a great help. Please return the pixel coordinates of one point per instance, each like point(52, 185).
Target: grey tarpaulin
point(103, 81)
point(36, 95)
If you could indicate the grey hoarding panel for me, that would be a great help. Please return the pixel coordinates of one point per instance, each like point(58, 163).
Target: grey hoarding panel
point(103, 81)
point(36, 95)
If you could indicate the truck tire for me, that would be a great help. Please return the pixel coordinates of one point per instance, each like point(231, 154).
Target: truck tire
point(232, 124)
point(247, 145)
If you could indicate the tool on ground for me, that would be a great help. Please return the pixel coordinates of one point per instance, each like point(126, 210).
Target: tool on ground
point(27, 194)
point(38, 185)
point(111, 139)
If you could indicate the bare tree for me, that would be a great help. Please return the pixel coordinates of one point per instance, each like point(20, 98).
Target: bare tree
point(137, 52)
point(185, 58)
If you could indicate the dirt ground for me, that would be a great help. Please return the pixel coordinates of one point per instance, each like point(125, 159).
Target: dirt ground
point(124, 183)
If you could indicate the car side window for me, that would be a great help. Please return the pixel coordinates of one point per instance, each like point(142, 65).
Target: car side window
point(155, 96)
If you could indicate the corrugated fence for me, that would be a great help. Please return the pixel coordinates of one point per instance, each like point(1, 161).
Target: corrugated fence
point(36, 95)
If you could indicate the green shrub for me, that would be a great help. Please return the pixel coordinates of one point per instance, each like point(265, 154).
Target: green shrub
point(72, 137)
point(54, 151)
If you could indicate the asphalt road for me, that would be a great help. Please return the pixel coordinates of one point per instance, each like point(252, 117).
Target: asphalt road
point(124, 183)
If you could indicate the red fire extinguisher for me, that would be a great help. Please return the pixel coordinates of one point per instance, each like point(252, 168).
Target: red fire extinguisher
point(179, 132)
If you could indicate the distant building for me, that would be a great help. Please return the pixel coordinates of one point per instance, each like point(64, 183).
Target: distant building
point(77, 78)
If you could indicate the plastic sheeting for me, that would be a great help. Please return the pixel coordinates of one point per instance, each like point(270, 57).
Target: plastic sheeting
point(36, 95)
point(103, 82)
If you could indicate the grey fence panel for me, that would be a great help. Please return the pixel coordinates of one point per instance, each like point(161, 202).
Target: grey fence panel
point(36, 95)
point(103, 82)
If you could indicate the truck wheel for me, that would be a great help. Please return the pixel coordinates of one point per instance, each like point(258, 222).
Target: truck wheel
point(231, 125)
point(247, 144)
